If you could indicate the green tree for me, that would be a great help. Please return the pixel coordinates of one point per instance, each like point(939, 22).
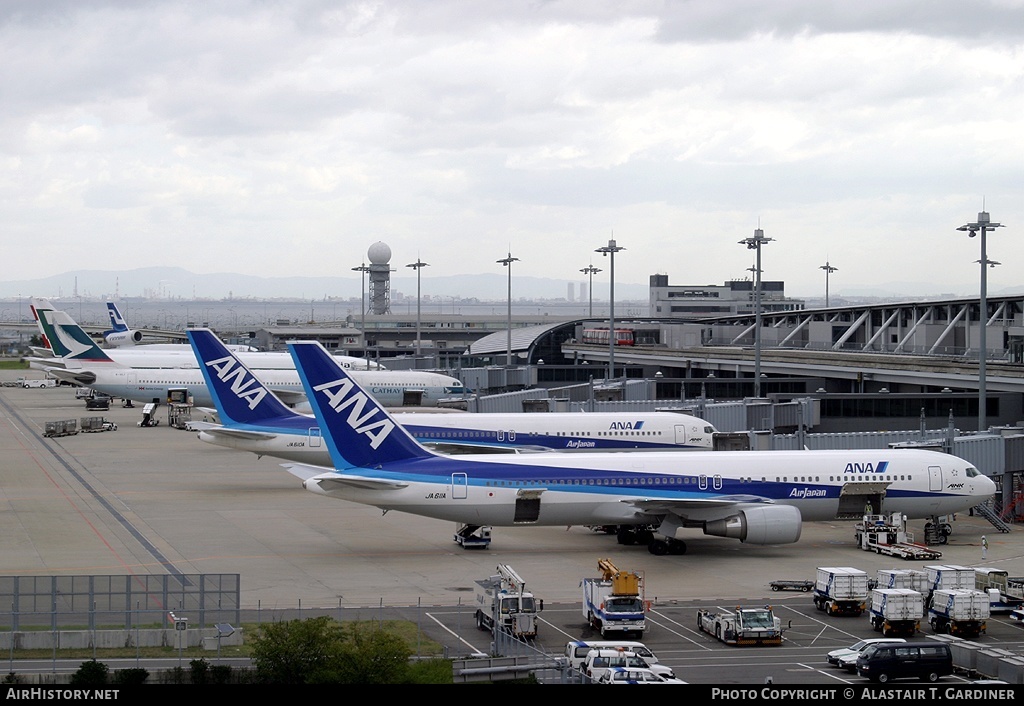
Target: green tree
point(373, 657)
point(91, 673)
point(298, 651)
point(132, 675)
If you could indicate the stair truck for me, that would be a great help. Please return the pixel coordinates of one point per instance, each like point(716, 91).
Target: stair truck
point(841, 590)
point(960, 612)
point(502, 600)
point(896, 612)
point(614, 604)
point(743, 626)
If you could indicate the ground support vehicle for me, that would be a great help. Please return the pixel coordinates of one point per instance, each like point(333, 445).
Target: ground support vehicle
point(149, 418)
point(744, 626)
point(846, 657)
point(503, 601)
point(841, 590)
point(915, 579)
point(963, 613)
point(61, 427)
point(949, 577)
point(598, 662)
point(883, 662)
point(614, 604)
point(39, 382)
point(95, 424)
point(896, 612)
point(1006, 593)
point(472, 536)
point(887, 534)
point(804, 586)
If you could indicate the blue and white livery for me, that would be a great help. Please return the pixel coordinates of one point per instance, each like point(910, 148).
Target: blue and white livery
point(253, 419)
point(757, 497)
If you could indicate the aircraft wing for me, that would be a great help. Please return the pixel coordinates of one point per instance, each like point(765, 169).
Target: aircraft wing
point(74, 376)
point(660, 506)
point(230, 433)
point(289, 397)
point(314, 475)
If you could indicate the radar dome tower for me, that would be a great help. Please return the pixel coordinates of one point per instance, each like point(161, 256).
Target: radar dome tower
point(379, 255)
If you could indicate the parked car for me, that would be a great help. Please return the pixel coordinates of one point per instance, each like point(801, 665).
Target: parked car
point(836, 657)
point(631, 675)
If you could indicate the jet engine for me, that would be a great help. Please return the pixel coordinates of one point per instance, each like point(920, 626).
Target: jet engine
point(759, 524)
point(123, 338)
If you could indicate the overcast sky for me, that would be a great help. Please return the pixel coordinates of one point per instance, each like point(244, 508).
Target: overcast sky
point(285, 138)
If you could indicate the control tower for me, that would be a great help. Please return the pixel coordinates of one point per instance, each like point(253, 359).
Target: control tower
point(379, 255)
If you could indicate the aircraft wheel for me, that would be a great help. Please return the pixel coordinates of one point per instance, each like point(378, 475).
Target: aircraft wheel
point(658, 547)
point(677, 547)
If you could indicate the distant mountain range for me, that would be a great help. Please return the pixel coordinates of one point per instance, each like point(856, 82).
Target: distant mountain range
point(178, 283)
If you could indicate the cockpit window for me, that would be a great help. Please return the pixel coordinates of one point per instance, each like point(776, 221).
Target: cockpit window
point(972, 472)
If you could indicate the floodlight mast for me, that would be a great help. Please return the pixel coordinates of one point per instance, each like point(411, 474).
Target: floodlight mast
point(754, 243)
point(982, 226)
point(610, 249)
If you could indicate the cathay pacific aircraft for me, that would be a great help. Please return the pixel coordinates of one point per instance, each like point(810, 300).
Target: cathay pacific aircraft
point(68, 349)
point(88, 365)
point(253, 419)
point(757, 497)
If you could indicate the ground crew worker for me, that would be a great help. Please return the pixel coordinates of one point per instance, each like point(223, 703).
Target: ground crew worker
point(984, 547)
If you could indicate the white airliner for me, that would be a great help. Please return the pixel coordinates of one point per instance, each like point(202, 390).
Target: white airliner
point(392, 388)
point(253, 419)
point(70, 350)
point(121, 334)
point(758, 497)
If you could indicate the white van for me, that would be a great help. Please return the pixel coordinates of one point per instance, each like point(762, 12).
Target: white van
point(576, 650)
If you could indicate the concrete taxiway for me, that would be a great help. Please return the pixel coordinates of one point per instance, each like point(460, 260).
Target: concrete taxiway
point(153, 500)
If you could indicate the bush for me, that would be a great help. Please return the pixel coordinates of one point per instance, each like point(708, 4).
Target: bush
point(132, 675)
point(91, 673)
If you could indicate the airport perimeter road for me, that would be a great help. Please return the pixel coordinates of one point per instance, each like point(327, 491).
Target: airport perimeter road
point(152, 500)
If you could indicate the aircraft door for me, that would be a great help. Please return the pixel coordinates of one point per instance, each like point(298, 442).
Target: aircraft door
point(412, 398)
point(682, 435)
point(315, 437)
point(460, 486)
point(934, 478)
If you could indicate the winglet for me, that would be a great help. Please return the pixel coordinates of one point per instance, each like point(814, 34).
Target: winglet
point(359, 433)
point(240, 397)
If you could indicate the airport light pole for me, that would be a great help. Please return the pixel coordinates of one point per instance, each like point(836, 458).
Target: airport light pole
point(507, 262)
point(591, 270)
point(610, 249)
point(754, 243)
point(418, 265)
point(982, 225)
point(363, 268)
point(828, 270)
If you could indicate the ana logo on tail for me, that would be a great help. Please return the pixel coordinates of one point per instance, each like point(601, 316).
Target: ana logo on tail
point(340, 394)
point(244, 386)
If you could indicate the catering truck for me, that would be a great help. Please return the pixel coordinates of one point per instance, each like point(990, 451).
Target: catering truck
point(896, 612)
point(841, 590)
point(960, 612)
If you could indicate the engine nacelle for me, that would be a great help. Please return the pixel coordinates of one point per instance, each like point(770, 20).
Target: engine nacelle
point(759, 524)
point(123, 338)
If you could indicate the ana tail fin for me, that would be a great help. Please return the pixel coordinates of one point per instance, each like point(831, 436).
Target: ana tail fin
point(359, 432)
point(240, 397)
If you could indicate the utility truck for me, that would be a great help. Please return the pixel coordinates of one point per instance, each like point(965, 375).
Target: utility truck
point(887, 534)
point(841, 590)
point(896, 612)
point(743, 626)
point(614, 604)
point(503, 601)
point(960, 612)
